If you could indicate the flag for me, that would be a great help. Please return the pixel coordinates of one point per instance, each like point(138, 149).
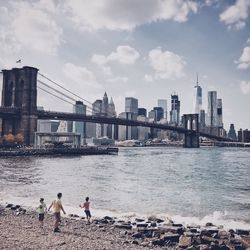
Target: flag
point(19, 61)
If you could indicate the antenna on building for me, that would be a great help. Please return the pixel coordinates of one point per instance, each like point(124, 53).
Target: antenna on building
point(197, 81)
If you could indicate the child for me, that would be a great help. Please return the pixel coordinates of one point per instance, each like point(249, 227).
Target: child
point(41, 211)
point(86, 207)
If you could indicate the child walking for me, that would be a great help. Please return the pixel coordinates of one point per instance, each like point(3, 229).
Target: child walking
point(41, 211)
point(85, 205)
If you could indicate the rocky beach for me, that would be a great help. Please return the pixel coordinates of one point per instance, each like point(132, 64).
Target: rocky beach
point(19, 229)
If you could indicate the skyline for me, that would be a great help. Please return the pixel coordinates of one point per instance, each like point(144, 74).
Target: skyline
point(111, 47)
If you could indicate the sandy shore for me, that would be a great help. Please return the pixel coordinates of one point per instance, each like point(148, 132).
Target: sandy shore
point(19, 229)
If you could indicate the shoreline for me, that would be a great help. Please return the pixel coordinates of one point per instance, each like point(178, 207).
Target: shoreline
point(19, 229)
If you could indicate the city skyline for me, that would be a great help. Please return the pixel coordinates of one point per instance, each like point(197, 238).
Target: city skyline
point(147, 56)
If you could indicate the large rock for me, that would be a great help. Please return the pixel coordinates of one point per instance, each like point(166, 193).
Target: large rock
point(171, 238)
point(144, 225)
point(242, 232)
point(171, 229)
point(185, 241)
point(124, 226)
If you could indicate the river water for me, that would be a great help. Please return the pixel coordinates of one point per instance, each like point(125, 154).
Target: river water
point(188, 185)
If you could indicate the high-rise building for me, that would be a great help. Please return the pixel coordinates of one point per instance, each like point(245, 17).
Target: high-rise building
point(142, 112)
point(163, 104)
point(127, 132)
point(244, 135)
point(159, 113)
point(232, 132)
point(198, 98)
point(212, 109)
point(219, 113)
point(131, 105)
point(152, 115)
point(175, 110)
point(80, 127)
point(202, 118)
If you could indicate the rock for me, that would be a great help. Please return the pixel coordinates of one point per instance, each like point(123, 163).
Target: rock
point(135, 242)
point(177, 225)
point(142, 225)
point(147, 232)
point(208, 240)
point(139, 220)
point(171, 238)
point(167, 229)
point(137, 235)
point(159, 242)
point(9, 205)
point(107, 218)
point(13, 208)
point(209, 231)
point(185, 241)
point(124, 226)
point(193, 230)
point(159, 220)
point(242, 232)
point(126, 242)
point(203, 247)
point(152, 218)
point(224, 247)
point(61, 243)
point(209, 224)
point(145, 243)
point(153, 224)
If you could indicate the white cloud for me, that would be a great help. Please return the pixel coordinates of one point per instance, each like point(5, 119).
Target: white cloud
point(167, 65)
point(244, 60)
point(126, 15)
point(124, 54)
point(148, 78)
point(245, 87)
point(107, 71)
point(31, 26)
point(235, 15)
point(118, 79)
point(80, 75)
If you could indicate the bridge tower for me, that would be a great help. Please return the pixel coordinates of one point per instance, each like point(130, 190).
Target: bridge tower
point(20, 91)
point(191, 122)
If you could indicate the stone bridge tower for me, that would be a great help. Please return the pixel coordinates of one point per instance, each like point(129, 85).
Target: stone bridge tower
point(191, 122)
point(20, 91)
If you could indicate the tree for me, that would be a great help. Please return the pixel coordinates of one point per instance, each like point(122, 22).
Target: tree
point(19, 138)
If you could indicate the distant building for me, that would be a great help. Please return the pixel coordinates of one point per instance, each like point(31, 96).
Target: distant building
point(163, 104)
point(202, 118)
point(198, 99)
point(219, 113)
point(143, 132)
point(159, 113)
point(142, 111)
point(175, 110)
point(232, 133)
point(244, 135)
point(212, 109)
point(127, 132)
point(131, 105)
point(80, 127)
point(152, 115)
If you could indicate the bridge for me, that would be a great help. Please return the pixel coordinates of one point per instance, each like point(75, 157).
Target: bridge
point(19, 111)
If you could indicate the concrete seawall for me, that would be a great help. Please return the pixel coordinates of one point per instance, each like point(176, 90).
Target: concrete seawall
point(59, 151)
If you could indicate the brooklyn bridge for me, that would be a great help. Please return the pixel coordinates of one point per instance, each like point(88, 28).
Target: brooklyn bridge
point(19, 111)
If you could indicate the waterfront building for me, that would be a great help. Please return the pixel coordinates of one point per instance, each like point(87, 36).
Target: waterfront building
point(159, 113)
point(232, 132)
point(163, 104)
point(143, 131)
point(244, 135)
point(212, 109)
point(142, 112)
point(202, 118)
point(80, 127)
point(175, 110)
point(131, 105)
point(198, 98)
point(127, 132)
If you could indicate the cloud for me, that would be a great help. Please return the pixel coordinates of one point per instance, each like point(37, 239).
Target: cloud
point(124, 54)
point(148, 78)
point(31, 26)
point(167, 65)
point(118, 79)
point(80, 75)
point(107, 71)
point(235, 15)
point(244, 60)
point(245, 87)
point(124, 15)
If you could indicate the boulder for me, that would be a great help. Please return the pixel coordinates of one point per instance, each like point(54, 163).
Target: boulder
point(135, 242)
point(107, 218)
point(209, 224)
point(158, 242)
point(139, 220)
point(144, 225)
point(171, 238)
point(242, 232)
point(185, 241)
point(9, 205)
point(153, 224)
point(124, 226)
point(137, 235)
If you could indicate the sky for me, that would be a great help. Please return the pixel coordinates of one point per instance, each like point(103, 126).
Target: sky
point(147, 49)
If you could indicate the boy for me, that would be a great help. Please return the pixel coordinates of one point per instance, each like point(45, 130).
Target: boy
point(57, 207)
point(86, 206)
point(41, 211)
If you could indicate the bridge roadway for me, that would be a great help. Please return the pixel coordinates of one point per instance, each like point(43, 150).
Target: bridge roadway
point(46, 115)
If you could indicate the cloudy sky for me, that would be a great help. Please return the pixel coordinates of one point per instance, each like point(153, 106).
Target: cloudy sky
point(147, 49)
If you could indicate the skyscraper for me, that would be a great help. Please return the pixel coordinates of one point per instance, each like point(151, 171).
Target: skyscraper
point(159, 113)
point(131, 105)
point(175, 110)
point(163, 104)
point(232, 132)
point(212, 109)
point(198, 98)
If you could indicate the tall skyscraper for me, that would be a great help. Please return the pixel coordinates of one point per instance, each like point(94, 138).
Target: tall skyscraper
point(232, 132)
point(212, 109)
point(163, 104)
point(159, 113)
point(219, 113)
point(80, 127)
point(198, 98)
point(175, 110)
point(142, 112)
point(131, 105)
